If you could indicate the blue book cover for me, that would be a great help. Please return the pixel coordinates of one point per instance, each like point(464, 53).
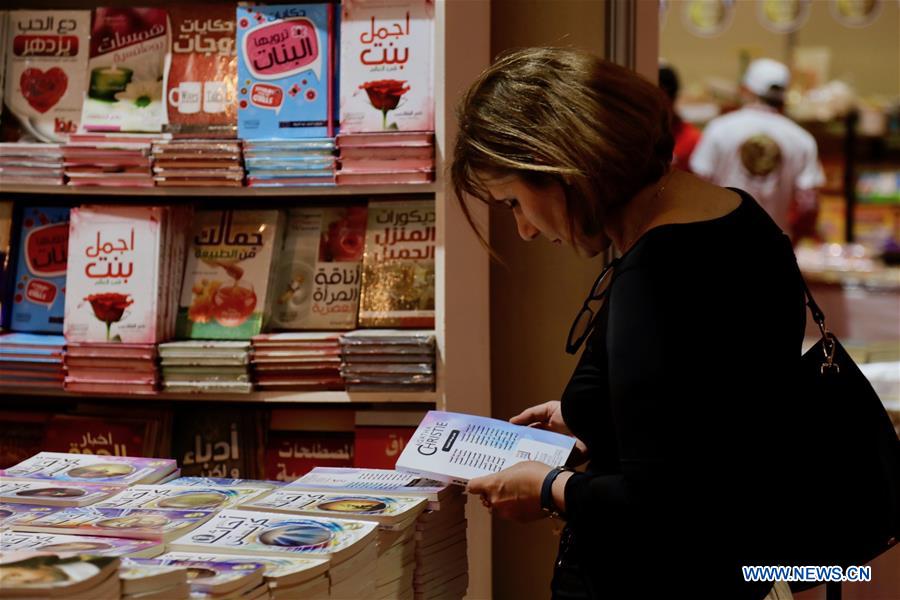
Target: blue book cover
point(285, 71)
point(38, 294)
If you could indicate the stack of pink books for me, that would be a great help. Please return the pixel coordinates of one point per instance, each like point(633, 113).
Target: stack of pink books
point(124, 270)
point(198, 163)
point(31, 164)
point(113, 159)
point(111, 368)
point(297, 361)
point(385, 158)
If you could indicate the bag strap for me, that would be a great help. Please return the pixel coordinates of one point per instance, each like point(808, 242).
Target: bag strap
point(828, 339)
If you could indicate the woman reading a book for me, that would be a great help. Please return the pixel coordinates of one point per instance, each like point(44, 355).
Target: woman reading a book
point(677, 398)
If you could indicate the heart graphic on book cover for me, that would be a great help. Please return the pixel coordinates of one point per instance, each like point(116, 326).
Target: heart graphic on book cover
point(43, 89)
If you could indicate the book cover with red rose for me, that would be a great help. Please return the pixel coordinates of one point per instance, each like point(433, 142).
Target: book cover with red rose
point(38, 294)
point(387, 65)
point(117, 281)
point(317, 277)
point(46, 70)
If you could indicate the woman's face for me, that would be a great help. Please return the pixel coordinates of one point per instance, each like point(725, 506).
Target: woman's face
point(541, 211)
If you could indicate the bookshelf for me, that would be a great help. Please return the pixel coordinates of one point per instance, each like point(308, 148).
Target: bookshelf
point(461, 52)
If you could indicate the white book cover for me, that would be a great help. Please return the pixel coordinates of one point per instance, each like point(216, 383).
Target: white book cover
point(124, 470)
point(382, 481)
point(383, 510)
point(65, 545)
point(251, 532)
point(180, 498)
point(46, 70)
point(386, 65)
point(208, 576)
point(113, 277)
point(225, 482)
point(54, 493)
point(281, 571)
point(456, 447)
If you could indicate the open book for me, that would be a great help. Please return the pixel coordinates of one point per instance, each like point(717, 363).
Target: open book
point(455, 447)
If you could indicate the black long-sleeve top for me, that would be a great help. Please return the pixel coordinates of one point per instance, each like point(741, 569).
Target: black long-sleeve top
point(680, 396)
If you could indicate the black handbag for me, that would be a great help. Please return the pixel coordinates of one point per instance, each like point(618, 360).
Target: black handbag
point(856, 451)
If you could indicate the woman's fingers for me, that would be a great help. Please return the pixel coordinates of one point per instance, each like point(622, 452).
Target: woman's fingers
point(540, 413)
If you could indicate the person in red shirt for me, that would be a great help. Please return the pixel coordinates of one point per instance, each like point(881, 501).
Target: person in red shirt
point(686, 135)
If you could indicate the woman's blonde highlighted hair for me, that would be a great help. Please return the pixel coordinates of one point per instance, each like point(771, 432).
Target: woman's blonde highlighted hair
point(564, 115)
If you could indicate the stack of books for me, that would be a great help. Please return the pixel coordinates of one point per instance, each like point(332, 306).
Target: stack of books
point(198, 163)
point(146, 579)
point(386, 158)
point(67, 545)
point(349, 545)
point(387, 360)
point(441, 556)
point(176, 497)
point(206, 367)
point(116, 160)
point(297, 361)
point(283, 163)
point(395, 515)
point(31, 164)
point(30, 360)
point(36, 492)
point(286, 578)
point(79, 577)
point(440, 546)
point(214, 580)
point(103, 368)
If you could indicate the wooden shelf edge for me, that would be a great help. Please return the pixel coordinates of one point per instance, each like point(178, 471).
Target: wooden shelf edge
point(267, 397)
point(241, 192)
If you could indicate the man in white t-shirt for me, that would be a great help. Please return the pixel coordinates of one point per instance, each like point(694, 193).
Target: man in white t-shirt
point(761, 151)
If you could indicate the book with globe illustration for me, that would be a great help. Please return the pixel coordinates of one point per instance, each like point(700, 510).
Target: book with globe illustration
point(317, 275)
point(262, 484)
point(398, 265)
point(145, 575)
point(250, 532)
point(122, 470)
point(180, 498)
point(211, 577)
point(52, 576)
point(226, 280)
point(55, 493)
point(456, 447)
point(280, 571)
point(386, 66)
point(385, 510)
point(65, 544)
point(142, 524)
point(11, 512)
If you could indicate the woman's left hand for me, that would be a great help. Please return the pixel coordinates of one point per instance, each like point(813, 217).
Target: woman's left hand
point(513, 493)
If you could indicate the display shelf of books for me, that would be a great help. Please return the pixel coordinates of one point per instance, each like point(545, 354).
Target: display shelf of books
point(340, 278)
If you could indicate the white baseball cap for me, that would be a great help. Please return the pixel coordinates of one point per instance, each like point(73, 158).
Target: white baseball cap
point(763, 73)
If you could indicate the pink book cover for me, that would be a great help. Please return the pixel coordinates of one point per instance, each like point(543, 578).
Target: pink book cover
point(201, 78)
point(404, 139)
point(385, 178)
point(376, 165)
point(113, 276)
point(65, 545)
point(386, 65)
point(61, 466)
point(128, 48)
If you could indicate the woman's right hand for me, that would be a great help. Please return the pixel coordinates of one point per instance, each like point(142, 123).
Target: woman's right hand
point(543, 416)
point(549, 416)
